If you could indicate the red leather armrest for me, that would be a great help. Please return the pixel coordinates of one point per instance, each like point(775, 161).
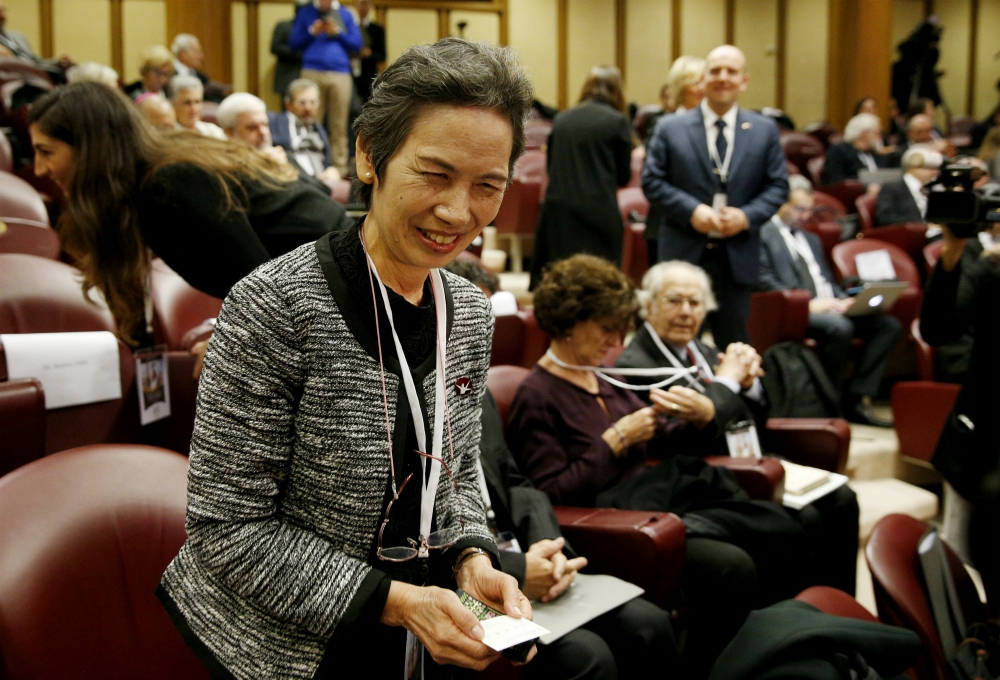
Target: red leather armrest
point(817, 442)
point(763, 479)
point(644, 548)
point(22, 422)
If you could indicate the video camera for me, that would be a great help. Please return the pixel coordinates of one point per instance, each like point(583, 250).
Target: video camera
point(957, 204)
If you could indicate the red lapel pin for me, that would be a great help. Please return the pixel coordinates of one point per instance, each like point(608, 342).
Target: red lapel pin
point(463, 386)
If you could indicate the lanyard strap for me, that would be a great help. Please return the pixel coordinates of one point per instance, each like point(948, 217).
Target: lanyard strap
point(484, 490)
point(722, 165)
point(674, 373)
point(692, 381)
point(429, 483)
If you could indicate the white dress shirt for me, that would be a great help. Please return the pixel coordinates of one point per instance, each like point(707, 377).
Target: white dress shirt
point(182, 70)
point(712, 132)
point(798, 247)
point(868, 160)
point(915, 186)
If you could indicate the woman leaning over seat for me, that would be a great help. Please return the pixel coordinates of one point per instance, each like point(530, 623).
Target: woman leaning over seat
point(212, 210)
point(316, 463)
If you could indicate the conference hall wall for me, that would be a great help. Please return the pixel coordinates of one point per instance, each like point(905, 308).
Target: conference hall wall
point(787, 42)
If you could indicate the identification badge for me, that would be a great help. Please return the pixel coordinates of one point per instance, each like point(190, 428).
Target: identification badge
point(742, 441)
point(414, 666)
point(152, 379)
point(507, 542)
point(719, 201)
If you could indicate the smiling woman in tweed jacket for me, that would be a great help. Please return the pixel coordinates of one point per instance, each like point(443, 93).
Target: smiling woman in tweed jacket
point(305, 474)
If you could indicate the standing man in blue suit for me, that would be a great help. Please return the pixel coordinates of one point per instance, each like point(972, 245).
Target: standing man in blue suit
point(713, 176)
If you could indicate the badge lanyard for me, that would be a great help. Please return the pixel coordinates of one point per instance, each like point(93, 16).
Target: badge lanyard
point(429, 483)
point(674, 373)
point(699, 360)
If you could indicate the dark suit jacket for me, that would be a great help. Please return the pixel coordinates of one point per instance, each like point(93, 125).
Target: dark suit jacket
point(895, 204)
point(777, 266)
point(953, 302)
point(518, 505)
point(642, 352)
point(678, 176)
point(843, 162)
point(281, 135)
point(369, 65)
point(289, 64)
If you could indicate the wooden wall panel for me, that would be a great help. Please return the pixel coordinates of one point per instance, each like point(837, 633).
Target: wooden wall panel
point(703, 26)
point(144, 23)
point(860, 50)
point(405, 27)
point(26, 16)
point(954, 84)
point(82, 29)
point(270, 14)
point(985, 95)
point(756, 33)
point(806, 60)
point(532, 33)
point(648, 29)
point(591, 41)
point(480, 26)
point(906, 14)
point(238, 30)
point(211, 22)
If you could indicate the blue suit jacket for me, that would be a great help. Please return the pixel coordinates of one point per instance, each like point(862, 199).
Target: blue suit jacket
point(679, 175)
point(281, 134)
point(777, 266)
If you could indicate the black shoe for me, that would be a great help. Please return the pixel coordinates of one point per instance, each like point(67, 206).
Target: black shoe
point(863, 414)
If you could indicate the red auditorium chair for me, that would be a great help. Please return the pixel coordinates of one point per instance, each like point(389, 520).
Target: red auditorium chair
point(907, 306)
point(28, 237)
point(518, 215)
point(925, 352)
point(635, 256)
point(920, 409)
point(835, 602)
point(900, 594)
point(815, 168)
point(911, 237)
point(931, 253)
point(19, 199)
point(509, 335)
point(825, 133)
point(800, 148)
point(846, 192)
point(22, 422)
point(778, 316)
point(828, 233)
point(828, 207)
point(86, 536)
point(533, 164)
point(178, 307)
point(6, 154)
point(536, 133)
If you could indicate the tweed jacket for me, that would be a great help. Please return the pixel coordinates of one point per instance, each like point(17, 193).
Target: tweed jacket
point(289, 463)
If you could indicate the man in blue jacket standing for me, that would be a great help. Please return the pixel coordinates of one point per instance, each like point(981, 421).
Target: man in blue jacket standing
point(327, 34)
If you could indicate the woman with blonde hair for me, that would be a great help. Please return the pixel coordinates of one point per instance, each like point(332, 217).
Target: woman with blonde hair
point(156, 69)
point(686, 83)
point(589, 157)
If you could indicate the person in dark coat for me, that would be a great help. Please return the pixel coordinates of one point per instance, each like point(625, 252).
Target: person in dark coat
point(631, 641)
point(967, 454)
point(589, 157)
point(857, 152)
point(365, 64)
point(289, 61)
point(904, 201)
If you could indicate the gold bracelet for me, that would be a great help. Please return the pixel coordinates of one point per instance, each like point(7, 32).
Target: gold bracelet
point(464, 557)
point(620, 436)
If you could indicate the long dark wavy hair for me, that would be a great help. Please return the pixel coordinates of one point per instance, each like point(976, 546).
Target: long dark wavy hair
point(115, 152)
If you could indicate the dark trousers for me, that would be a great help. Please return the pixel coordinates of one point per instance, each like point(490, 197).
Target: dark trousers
point(832, 525)
point(729, 321)
point(635, 640)
point(834, 333)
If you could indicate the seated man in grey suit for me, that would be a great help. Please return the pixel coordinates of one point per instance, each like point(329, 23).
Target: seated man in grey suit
point(904, 201)
point(792, 258)
point(300, 134)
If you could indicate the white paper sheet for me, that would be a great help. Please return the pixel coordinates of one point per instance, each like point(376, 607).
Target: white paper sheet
point(503, 632)
point(74, 368)
point(798, 502)
point(875, 265)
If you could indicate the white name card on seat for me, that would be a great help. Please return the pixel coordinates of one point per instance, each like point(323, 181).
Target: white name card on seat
point(875, 265)
point(74, 368)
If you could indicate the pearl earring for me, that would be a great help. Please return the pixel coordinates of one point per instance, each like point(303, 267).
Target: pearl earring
point(368, 175)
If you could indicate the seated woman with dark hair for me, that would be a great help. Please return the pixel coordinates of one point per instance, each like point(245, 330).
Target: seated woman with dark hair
point(585, 441)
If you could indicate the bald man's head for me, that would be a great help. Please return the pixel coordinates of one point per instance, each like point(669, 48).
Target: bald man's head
point(919, 129)
point(725, 77)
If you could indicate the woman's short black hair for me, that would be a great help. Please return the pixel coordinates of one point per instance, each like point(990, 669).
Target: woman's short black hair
point(584, 288)
point(450, 72)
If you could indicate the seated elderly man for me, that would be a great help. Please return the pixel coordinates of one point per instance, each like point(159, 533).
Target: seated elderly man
point(157, 111)
point(187, 95)
point(905, 201)
point(243, 117)
point(919, 132)
point(857, 152)
point(297, 131)
point(792, 258)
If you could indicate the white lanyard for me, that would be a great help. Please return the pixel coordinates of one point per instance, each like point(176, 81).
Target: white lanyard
point(674, 374)
point(713, 151)
point(700, 362)
point(429, 487)
point(484, 490)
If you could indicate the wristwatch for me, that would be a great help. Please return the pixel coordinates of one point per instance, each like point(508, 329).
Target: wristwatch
point(464, 556)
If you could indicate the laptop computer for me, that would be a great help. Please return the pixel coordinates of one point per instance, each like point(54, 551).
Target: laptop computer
point(876, 296)
point(880, 176)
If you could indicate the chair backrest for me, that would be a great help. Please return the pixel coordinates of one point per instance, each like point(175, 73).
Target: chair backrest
point(19, 199)
point(85, 539)
point(844, 265)
point(822, 132)
point(502, 382)
point(532, 164)
point(22, 421)
point(28, 237)
point(778, 316)
point(518, 212)
point(6, 154)
point(635, 253)
point(177, 306)
point(866, 211)
point(508, 341)
point(920, 409)
point(536, 341)
point(830, 207)
point(12, 68)
point(924, 351)
point(800, 148)
point(828, 233)
point(38, 295)
point(932, 251)
point(846, 192)
point(815, 168)
point(900, 594)
point(835, 602)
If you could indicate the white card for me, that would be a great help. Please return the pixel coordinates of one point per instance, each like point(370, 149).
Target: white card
point(875, 265)
point(152, 380)
point(74, 368)
point(744, 443)
point(503, 632)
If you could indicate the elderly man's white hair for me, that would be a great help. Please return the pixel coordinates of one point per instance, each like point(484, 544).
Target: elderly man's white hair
point(236, 104)
point(859, 124)
point(658, 275)
point(91, 71)
point(180, 84)
point(182, 42)
point(921, 156)
point(799, 183)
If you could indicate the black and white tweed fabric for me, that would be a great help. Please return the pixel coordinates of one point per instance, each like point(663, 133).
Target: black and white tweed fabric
point(289, 464)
